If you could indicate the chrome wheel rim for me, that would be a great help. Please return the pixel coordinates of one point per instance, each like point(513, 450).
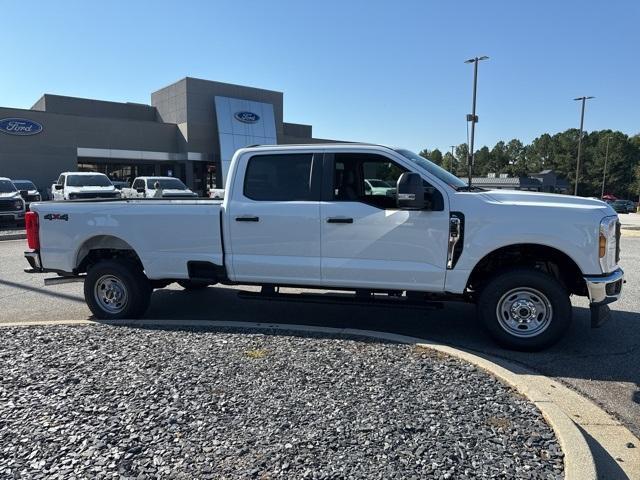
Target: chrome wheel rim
point(111, 294)
point(524, 312)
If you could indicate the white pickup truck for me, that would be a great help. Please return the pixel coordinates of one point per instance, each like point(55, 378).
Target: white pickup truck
point(300, 216)
point(170, 187)
point(83, 185)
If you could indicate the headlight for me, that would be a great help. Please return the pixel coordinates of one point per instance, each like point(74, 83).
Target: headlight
point(18, 205)
point(607, 244)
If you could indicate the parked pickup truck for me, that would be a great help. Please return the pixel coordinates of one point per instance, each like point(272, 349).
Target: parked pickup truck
point(83, 185)
point(169, 187)
point(301, 216)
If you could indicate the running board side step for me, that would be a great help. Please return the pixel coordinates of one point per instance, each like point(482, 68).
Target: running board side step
point(343, 299)
point(59, 280)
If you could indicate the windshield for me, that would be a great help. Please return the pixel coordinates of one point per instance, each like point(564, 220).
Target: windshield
point(6, 186)
point(24, 185)
point(167, 183)
point(97, 180)
point(432, 168)
point(379, 183)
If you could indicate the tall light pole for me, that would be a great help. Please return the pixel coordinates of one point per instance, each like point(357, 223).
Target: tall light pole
point(604, 172)
point(583, 99)
point(473, 118)
point(452, 158)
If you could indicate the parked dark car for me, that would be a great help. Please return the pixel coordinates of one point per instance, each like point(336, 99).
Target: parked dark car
point(28, 191)
point(621, 206)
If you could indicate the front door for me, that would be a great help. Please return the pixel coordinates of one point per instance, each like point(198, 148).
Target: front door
point(274, 220)
point(366, 241)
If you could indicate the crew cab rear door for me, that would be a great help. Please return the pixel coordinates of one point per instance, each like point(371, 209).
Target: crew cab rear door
point(367, 241)
point(274, 219)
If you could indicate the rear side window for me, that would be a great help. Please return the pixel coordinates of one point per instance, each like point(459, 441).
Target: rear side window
point(280, 177)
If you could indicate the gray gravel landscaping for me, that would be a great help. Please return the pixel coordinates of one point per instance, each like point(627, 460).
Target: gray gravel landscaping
point(117, 402)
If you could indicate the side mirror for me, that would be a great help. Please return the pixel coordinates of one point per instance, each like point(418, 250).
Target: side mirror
point(58, 186)
point(140, 190)
point(410, 192)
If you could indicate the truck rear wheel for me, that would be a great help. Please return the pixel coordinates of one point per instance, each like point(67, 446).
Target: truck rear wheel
point(116, 289)
point(525, 309)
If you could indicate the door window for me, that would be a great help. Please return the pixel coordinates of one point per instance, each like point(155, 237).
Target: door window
point(372, 179)
point(139, 183)
point(281, 177)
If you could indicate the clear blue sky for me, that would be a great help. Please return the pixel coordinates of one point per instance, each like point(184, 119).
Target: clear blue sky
point(381, 71)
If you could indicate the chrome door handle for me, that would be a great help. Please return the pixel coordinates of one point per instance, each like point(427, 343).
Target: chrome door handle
point(247, 218)
point(339, 220)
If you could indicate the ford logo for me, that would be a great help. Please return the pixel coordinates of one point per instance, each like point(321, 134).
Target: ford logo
point(19, 126)
point(246, 117)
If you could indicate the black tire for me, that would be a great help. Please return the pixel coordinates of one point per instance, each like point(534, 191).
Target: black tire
point(525, 293)
point(126, 276)
point(192, 284)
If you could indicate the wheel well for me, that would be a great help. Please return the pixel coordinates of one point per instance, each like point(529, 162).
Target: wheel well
point(541, 257)
point(104, 247)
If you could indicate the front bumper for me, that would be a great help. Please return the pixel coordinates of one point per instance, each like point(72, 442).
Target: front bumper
point(603, 290)
point(13, 216)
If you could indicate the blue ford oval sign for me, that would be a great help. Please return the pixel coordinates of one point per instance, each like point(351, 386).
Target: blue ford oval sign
point(19, 126)
point(246, 117)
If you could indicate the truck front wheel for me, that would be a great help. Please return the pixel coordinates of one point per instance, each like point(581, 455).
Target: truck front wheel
point(525, 309)
point(116, 289)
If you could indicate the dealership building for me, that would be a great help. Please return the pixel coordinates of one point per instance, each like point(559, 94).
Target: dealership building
point(190, 131)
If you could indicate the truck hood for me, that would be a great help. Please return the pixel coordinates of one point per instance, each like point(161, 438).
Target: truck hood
point(90, 189)
point(173, 192)
point(536, 199)
point(10, 195)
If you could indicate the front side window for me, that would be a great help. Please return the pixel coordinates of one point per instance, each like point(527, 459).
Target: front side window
point(366, 178)
point(98, 180)
point(372, 179)
point(279, 177)
point(7, 186)
point(138, 184)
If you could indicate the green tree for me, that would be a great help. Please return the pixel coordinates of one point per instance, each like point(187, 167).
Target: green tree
point(436, 156)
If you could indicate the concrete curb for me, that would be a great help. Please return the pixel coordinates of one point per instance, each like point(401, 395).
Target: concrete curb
point(13, 236)
point(557, 403)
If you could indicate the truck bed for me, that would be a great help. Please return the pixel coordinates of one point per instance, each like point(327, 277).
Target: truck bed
point(165, 234)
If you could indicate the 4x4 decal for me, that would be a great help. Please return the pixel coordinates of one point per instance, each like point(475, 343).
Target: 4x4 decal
point(57, 216)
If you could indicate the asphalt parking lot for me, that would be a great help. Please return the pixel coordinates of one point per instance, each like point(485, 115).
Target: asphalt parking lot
point(601, 363)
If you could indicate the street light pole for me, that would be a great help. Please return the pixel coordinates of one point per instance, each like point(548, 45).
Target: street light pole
point(583, 99)
point(473, 118)
point(604, 172)
point(452, 158)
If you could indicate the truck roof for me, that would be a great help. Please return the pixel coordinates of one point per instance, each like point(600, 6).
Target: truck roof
point(156, 176)
point(82, 173)
point(319, 146)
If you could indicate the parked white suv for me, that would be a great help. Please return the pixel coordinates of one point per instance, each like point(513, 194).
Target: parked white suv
point(300, 215)
point(12, 205)
point(83, 185)
point(170, 187)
